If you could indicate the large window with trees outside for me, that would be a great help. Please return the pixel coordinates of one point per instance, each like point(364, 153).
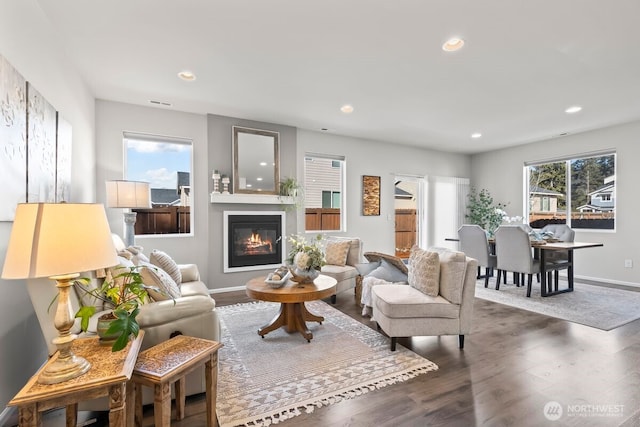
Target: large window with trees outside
point(580, 192)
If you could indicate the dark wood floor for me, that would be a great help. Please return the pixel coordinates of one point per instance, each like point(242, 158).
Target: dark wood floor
point(513, 363)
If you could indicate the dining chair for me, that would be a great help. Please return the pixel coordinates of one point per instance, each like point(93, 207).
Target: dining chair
point(473, 242)
point(561, 232)
point(513, 252)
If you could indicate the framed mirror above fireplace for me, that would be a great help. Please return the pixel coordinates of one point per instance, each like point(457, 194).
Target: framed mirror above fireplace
point(256, 161)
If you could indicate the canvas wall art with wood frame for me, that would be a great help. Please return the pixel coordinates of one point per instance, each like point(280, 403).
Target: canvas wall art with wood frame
point(370, 195)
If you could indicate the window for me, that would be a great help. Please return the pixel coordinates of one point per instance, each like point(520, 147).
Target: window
point(577, 191)
point(323, 192)
point(166, 164)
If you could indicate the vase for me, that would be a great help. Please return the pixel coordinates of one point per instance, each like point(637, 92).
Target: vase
point(304, 276)
point(104, 322)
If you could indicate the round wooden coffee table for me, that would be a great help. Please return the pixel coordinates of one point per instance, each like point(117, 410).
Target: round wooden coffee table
point(292, 315)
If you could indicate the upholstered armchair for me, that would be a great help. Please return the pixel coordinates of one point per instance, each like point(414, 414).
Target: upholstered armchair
point(474, 243)
point(342, 255)
point(437, 301)
point(192, 313)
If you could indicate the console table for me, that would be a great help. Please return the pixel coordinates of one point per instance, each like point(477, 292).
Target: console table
point(108, 376)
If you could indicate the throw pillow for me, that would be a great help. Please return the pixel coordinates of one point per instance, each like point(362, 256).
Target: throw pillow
point(453, 266)
point(388, 272)
point(336, 252)
point(138, 255)
point(165, 262)
point(424, 271)
point(157, 277)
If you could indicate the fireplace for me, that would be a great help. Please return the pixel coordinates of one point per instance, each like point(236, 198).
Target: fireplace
point(253, 240)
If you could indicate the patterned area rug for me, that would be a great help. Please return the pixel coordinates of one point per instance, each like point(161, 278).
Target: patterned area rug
point(262, 381)
point(595, 306)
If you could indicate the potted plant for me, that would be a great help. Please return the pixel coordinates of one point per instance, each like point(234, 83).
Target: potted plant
point(124, 293)
point(289, 187)
point(483, 211)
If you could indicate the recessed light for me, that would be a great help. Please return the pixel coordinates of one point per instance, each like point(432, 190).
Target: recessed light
point(453, 44)
point(258, 179)
point(476, 135)
point(263, 163)
point(573, 109)
point(347, 109)
point(249, 185)
point(187, 76)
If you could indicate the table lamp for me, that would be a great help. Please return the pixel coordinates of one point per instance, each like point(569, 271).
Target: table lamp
point(59, 241)
point(128, 195)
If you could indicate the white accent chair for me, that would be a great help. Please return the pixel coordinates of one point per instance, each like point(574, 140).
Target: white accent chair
point(345, 274)
point(403, 311)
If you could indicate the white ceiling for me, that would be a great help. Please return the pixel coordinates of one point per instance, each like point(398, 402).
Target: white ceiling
point(295, 62)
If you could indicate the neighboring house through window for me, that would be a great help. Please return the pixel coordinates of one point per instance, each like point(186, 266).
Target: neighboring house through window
point(164, 162)
point(324, 181)
point(579, 191)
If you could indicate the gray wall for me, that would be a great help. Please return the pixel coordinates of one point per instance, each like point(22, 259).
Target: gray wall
point(112, 119)
point(221, 158)
point(501, 172)
point(30, 45)
point(365, 157)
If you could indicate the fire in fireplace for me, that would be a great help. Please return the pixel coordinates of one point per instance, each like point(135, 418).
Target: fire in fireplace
point(253, 240)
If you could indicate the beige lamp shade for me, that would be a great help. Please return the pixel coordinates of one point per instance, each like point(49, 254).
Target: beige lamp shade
point(128, 194)
point(49, 239)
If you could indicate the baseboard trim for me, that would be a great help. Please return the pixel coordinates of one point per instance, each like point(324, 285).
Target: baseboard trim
point(223, 290)
point(602, 281)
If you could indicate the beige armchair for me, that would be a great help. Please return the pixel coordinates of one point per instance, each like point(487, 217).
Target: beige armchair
point(193, 314)
point(344, 270)
point(404, 311)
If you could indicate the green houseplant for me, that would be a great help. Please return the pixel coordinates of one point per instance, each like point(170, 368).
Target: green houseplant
point(124, 292)
point(290, 187)
point(483, 211)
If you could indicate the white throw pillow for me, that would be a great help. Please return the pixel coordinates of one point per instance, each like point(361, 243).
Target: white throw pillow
point(424, 271)
point(165, 262)
point(157, 277)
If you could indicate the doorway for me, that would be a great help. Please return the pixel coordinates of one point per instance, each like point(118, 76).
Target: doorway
point(406, 204)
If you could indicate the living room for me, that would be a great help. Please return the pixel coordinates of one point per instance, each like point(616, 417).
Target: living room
point(32, 45)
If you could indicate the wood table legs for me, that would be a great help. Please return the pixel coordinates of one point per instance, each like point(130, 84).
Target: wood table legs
point(293, 317)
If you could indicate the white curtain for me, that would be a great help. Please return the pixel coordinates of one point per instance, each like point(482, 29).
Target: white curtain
point(444, 208)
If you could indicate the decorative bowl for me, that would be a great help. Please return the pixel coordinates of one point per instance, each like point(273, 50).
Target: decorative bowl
point(277, 283)
point(303, 276)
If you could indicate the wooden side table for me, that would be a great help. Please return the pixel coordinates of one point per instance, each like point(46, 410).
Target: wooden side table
point(169, 362)
point(108, 376)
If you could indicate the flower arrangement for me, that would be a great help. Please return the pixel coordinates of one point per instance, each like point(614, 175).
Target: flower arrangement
point(483, 211)
point(306, 255)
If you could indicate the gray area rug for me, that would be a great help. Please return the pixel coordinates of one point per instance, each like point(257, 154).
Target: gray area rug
point(262, 381)
point(595, 306)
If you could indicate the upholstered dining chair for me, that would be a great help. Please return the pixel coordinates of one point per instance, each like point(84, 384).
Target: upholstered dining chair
point(513, 252)
point(473, 242)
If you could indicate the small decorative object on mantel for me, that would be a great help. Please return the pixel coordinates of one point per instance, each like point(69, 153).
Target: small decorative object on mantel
point(305, 259)
point(216, 181)
point(225, 184)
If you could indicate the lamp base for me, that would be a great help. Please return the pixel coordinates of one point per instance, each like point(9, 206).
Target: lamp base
point(65, 369)
point(67, 365)
point(130, 233)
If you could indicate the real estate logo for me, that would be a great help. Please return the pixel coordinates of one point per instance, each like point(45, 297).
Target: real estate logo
point(552, 411)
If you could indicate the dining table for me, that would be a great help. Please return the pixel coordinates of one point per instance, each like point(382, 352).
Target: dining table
point(541, 247)
point(568, 247)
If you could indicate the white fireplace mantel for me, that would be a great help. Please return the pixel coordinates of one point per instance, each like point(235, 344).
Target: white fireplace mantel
point(252, 199)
